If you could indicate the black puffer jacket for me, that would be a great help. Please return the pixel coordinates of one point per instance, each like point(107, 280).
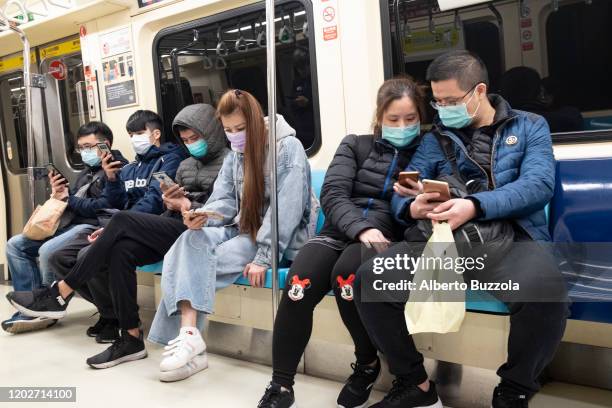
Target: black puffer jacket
point(198, 175)
point(198, 178)
point(358, 187)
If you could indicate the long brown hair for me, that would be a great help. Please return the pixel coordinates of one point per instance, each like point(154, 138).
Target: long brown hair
point(253, 193)
point(394, 89)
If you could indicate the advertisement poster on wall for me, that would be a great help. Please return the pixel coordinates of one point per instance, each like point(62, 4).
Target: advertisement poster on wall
point(118, 68)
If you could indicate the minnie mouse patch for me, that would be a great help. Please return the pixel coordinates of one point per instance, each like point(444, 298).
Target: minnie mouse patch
point(298, 287)
point(346, 286)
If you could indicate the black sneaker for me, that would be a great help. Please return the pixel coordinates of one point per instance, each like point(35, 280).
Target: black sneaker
point(125, 348)
point(359, 385)
point(93, 331)
point(20, 323)
point(45, 302)
point(505, 398)
point(109, 333)
point(407, 395)
point(276, 397)
point(105, 330)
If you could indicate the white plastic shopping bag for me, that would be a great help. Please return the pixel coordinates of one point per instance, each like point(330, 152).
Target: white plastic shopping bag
point(431, 309)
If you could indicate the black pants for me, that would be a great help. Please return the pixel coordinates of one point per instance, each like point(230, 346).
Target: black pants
point(130, 239)
point(536, 328)
point(316, 270)
point(94, 291)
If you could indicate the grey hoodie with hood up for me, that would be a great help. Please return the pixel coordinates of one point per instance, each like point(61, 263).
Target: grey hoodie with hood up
point(198, 175)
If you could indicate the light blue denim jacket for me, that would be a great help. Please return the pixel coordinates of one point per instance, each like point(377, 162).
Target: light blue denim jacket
point(294, 196)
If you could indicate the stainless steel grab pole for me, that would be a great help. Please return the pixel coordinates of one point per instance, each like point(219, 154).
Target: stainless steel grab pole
point(271, 64)
point(27, 84)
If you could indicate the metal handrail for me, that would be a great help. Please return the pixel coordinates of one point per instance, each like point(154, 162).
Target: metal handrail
point(27, 83)
point(21, 7)
point(271, 68)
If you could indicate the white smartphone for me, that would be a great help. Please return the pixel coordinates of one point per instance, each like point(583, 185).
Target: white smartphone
point(162, 177)
point(210, 214)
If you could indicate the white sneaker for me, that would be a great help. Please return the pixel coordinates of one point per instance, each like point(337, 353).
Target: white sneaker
point(197, 364)
point(183, 349)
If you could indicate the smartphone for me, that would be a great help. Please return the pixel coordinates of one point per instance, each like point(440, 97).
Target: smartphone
point(52, 169)
point(404, 175)
point(210, 214)
point(105, 149)
point(162, 177)
point(434, 186)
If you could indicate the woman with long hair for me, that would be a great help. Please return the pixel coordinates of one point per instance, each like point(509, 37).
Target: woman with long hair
point(231, 234)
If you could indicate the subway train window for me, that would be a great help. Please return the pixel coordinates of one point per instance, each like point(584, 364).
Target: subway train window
point(579, 38)
point(12, 106)
point(198, 61)
point(73, 100)
point(556, 66)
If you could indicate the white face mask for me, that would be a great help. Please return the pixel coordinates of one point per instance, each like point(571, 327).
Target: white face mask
point(141, 143)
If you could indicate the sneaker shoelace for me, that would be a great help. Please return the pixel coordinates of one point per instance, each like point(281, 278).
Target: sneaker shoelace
point(269, 397)
point(398, 390)
point(361, 375)
point(117, 344)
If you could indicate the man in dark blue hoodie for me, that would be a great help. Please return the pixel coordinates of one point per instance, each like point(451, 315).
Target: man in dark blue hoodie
point(128, 187)
point(84, 198)
point(131, 187)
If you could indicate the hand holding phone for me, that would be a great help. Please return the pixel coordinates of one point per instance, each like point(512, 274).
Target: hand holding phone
point(164, 178)
point(105, 150)
point(405, 176)
point(110, 167)
point(193, 220)
point(213, 215)
point(59, 184)
point(435, 186)
point(408, 184)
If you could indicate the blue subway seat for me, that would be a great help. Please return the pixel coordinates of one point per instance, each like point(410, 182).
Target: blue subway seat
point(573, 216)
point(152, 268)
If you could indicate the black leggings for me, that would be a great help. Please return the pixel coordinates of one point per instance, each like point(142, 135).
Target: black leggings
point(316, 270)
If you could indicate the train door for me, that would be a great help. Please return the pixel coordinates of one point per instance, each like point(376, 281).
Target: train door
point(59, 108)
point(65, 102)
point(14, 141)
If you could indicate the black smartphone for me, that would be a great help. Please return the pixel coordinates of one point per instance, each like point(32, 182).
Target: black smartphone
point(105, 149)
point(52, 169)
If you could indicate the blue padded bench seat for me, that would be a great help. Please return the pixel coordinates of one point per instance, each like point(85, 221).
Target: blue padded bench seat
point(479, 301)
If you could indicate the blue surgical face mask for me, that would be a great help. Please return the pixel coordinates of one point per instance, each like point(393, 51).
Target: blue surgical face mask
point(198, 149)
point(90, 157)
point(401, 136)
point(457, 116)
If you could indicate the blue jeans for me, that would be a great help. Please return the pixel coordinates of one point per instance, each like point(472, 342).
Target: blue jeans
point(198, 264)
point(22, 252)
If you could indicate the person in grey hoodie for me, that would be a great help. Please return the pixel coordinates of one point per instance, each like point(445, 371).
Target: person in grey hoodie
point(134, 239)
point(231, 235)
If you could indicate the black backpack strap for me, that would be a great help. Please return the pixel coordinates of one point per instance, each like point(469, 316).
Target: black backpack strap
point(449, 152)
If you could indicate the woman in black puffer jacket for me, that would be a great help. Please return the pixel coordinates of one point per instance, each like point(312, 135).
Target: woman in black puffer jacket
point(356, 201)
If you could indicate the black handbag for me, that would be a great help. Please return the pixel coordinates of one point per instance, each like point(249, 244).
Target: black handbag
point(491, 239)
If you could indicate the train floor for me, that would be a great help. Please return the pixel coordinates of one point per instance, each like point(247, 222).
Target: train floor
point(56, 358)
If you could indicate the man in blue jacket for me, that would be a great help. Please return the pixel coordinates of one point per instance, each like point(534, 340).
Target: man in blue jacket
point(505, 158)
point(84, 198)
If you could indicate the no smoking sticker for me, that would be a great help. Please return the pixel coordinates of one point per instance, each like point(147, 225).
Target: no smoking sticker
point(329, 13)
